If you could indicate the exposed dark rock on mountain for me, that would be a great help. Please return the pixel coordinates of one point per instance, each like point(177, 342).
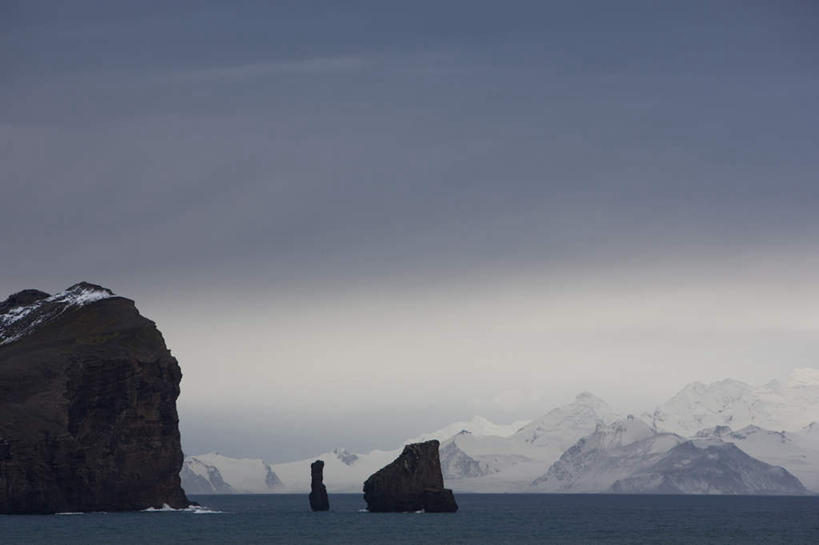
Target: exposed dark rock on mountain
point(346, 457)
point(630, 457)
point(210, 483)
point(88, 415)
point(318, 492)
point(413, 482)
point(21, 299)
point(213, 473)
point(457, 464)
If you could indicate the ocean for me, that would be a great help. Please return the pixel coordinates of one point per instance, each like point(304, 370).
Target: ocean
point(483, 519)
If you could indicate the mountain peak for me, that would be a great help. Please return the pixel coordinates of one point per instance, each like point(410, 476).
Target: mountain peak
point(803, 376)
point(82, 293)
point(624, 432)
point(21, 299)
point(346, 457)
point(729, 402)
point(27, 310)
point(589, 399)
point(715, 431)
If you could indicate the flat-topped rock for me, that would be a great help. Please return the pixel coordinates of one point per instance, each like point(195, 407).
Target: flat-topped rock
point(413, 482)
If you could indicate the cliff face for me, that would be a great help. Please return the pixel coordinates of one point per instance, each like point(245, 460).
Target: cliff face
point(413, 482)
point(88, 415)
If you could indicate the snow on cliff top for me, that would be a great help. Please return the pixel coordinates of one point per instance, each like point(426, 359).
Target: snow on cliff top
point(20, 320)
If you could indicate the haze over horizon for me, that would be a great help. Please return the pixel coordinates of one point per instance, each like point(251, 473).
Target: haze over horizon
point(355, 223)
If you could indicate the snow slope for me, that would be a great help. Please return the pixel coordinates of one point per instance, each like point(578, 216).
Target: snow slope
point(201, 478)
point(709, 466)
point(476, 455)
point(775, 406)
point(342, 473)
point(478, 426)
point(229, 475)
point(561, 427)
point(631, 457)
point(610, 453)
point(791, 450)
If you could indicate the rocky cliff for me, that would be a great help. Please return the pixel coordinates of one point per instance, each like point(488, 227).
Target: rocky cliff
point(413, 482)
point(88, 415)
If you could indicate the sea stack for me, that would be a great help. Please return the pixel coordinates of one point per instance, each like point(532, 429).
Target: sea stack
point(318, 492)
point(88, 417)
point(413, 482)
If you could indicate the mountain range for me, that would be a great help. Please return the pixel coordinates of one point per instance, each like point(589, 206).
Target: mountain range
point(726, 437)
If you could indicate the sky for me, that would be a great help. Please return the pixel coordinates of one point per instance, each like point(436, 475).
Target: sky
point(355, 222)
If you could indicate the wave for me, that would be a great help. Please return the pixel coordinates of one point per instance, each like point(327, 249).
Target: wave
point(193, 509)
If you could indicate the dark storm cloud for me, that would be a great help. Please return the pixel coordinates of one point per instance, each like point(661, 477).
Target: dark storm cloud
point(372, 134)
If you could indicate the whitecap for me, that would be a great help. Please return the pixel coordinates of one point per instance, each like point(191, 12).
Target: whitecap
point(165, 507)
point(205, 511)
point(195, 509)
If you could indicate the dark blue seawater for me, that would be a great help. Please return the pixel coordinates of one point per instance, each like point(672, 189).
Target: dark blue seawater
point(483, 519)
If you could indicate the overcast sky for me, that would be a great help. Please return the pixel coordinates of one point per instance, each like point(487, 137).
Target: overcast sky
point(358, 221)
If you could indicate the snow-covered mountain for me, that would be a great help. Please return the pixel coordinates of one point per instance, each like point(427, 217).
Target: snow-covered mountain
point(343, 470)
point(585, 446)
point(216, 474)
point(629, 456)
point(777, 406)
point(201, 478)
point(486, 463)
point(472, 463)
point(561, 427)
point(709, 466)
point(476, 455)
point(478, 426)
point(794, 451)
point(610, 453)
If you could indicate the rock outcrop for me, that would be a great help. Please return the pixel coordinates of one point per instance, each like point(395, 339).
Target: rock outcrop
point(318, 492)
point(413, 482)
point(88, 415)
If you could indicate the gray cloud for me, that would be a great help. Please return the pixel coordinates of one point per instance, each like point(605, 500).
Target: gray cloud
point(276, 155)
